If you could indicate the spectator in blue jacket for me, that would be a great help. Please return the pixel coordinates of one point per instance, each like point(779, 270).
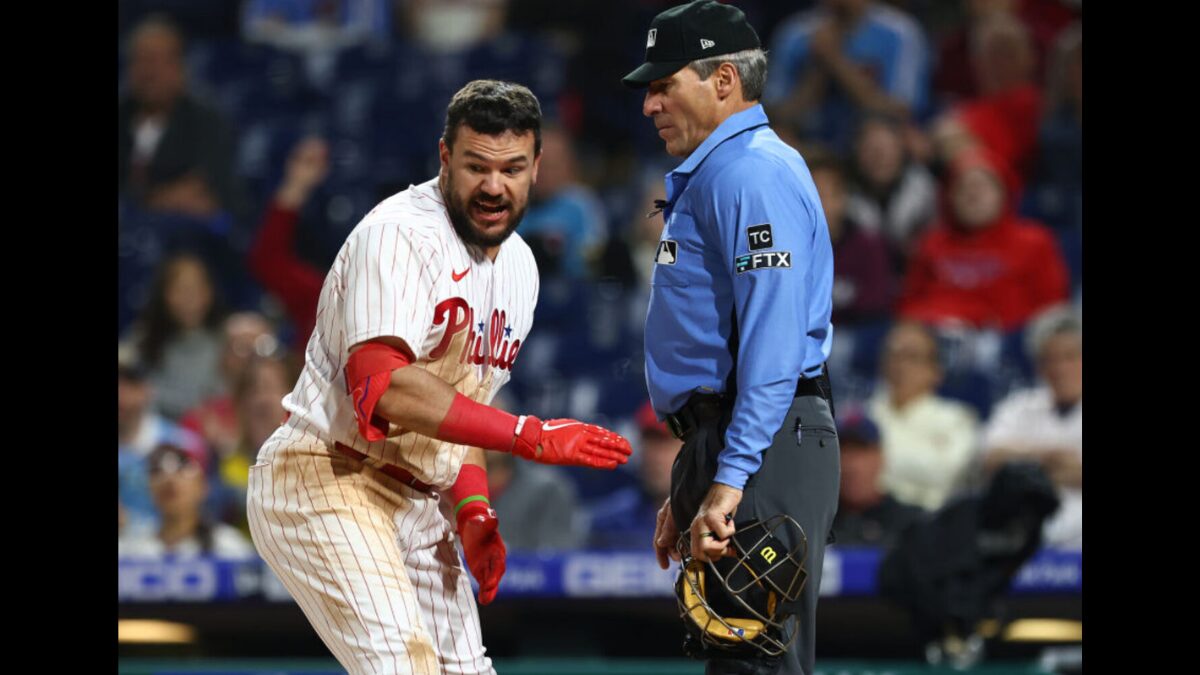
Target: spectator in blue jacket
point(843, 59)
point(566, 225)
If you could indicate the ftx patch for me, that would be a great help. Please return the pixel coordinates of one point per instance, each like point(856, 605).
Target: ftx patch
point(758, 261)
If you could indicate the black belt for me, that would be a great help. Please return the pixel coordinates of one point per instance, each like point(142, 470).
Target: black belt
point(706, 407)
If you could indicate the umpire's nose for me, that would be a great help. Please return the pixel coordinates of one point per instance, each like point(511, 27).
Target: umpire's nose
point(651, 105)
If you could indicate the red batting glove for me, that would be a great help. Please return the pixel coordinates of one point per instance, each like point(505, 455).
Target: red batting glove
point(483, 547)
point(569, 442)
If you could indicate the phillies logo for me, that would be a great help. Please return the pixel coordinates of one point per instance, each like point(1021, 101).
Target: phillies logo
point(458, 315)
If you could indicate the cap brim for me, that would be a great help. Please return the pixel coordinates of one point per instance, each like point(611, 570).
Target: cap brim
point(646, 73)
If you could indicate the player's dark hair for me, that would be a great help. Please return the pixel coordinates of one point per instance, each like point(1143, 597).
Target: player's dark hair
point(157, 326)
point(493, 107)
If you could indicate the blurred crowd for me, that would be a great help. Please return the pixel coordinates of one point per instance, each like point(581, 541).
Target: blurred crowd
point(944, 137)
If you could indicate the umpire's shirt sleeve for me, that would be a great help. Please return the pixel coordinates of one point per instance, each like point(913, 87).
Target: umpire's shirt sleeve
point(769, 281)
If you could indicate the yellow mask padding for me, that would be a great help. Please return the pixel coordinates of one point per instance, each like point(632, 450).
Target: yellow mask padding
point(707, 621)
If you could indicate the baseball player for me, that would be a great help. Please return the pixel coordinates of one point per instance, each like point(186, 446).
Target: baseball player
point(420, 320)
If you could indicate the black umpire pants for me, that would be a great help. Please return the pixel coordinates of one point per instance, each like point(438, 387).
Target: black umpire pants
point(799, 476)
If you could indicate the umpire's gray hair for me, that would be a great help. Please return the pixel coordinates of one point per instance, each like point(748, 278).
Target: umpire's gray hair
point(1057, 320)
point(751, 65)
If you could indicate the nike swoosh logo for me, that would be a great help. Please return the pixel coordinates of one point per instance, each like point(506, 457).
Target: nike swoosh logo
point(457, 275)
point(546, 426)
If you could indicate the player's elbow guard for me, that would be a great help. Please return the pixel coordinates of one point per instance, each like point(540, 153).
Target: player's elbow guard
point(368, 374)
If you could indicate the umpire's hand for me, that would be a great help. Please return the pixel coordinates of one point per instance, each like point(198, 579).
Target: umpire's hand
point(666, 535)
point(713, 524)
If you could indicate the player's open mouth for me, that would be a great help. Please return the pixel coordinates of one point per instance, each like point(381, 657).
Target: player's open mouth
point(490, 214)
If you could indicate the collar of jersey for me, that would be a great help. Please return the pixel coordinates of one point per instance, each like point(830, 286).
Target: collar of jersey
point(732, 126)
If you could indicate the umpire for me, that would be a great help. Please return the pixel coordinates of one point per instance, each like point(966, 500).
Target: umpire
point(737, 329)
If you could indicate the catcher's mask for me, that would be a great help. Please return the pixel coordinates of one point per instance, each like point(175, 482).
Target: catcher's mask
point(747, 610)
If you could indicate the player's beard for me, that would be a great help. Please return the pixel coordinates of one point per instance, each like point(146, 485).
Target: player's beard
point(460, 218)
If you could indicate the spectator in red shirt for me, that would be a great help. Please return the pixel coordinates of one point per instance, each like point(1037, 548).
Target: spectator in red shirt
point(954, 78)
point(1004, 118)
point(980, 264)
point(273, 258)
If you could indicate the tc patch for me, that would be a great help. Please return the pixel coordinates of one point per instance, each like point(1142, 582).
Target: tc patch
point(759, 236)
point(758, 261)
point(666, 252)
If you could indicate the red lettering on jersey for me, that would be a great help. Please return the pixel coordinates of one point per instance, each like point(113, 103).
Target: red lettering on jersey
point(503, 351)
point(448, 312)
point(494, 338)
point(476, 355)
point(512, 354)
point(458, 315)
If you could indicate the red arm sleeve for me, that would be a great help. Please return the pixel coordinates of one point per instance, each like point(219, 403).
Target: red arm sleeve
point(368, 374)
point(471, 486)
point(274, 263)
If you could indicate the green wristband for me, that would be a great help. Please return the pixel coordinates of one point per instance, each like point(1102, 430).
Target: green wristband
point(468, 500)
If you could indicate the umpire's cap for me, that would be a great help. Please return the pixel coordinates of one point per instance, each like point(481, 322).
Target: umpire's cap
point(689, 32)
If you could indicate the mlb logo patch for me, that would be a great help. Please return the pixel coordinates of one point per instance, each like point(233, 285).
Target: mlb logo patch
point(667, 250)
point(650, 37)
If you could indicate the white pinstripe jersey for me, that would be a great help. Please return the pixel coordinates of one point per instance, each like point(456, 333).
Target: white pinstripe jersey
point(404, 272)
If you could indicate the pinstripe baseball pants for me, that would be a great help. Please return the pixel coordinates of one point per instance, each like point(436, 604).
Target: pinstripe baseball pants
point(371, 562)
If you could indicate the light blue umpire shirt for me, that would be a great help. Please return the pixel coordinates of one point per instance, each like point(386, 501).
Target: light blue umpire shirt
point(744, 266)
